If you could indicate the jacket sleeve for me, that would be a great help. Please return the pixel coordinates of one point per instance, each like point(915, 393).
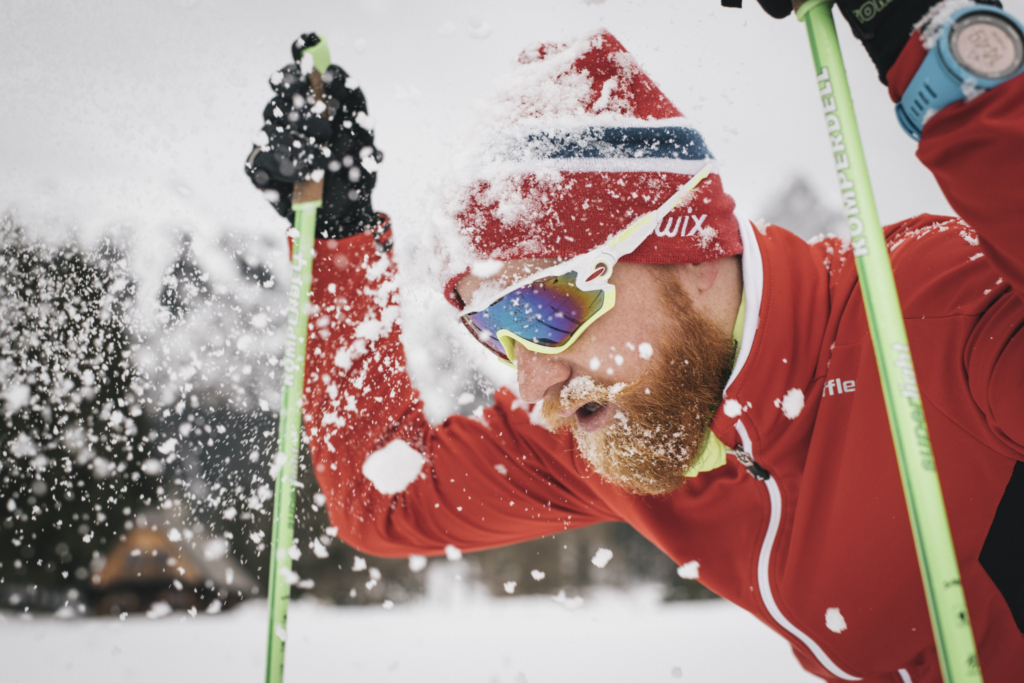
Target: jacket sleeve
point(484, 482)
point(975, 150)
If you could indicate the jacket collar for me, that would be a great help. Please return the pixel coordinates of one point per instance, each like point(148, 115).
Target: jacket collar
point(787, 332)
point(753, 288)
point(712, 455)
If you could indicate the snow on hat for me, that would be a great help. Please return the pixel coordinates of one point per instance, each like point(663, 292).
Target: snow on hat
point(581, 142)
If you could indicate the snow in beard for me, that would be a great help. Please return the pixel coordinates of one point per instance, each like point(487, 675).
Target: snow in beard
point(576, 143)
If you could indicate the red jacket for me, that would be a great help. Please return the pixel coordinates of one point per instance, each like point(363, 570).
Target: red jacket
point(822, 550)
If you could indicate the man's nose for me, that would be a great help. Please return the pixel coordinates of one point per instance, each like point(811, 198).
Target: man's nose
point(538, 373)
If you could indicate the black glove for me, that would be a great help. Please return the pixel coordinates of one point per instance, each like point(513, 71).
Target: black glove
point(883, 26)
point(302, 139)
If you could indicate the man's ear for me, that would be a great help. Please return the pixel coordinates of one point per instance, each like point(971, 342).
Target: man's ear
point(700, 277)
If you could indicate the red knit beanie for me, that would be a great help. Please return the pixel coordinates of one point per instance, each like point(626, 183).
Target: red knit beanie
point(589, 144)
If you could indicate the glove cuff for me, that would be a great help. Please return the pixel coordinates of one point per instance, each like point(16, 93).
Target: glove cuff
point(885, 27)
point(379, 226)
point(356, 220)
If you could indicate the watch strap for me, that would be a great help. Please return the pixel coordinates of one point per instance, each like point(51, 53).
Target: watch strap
point(942, 80)
point(932, 88)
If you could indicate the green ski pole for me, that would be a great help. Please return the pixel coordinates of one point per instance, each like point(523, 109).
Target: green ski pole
point(307, 197)
point(940, 574)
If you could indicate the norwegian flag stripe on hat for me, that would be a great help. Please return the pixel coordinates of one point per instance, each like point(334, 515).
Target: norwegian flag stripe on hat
point(669, 141)
point(593, 145)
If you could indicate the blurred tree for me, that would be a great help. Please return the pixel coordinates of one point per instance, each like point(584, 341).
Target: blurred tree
point(74, 436)
point(184, 284)
point(91, 435)
point(566, 561)
point(798, 208)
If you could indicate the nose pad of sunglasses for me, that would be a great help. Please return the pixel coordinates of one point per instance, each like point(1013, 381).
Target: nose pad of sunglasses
point(510, 345)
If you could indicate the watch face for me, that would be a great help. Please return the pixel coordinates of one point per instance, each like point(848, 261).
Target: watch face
point(987, 45)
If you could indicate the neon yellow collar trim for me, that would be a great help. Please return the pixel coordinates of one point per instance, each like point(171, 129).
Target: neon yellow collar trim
point(737, 327)
point(712, 455)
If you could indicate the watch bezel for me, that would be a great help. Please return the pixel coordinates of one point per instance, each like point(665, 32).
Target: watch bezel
point(993, 19)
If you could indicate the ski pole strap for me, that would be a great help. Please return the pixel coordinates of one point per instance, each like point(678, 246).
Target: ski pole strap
point(307, 197)
point(940, 574)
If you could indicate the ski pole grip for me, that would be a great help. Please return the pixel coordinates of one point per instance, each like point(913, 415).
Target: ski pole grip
point(802, 7)
point(310, 191)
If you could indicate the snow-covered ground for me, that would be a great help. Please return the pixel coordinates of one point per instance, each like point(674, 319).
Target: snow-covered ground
point(612, 637)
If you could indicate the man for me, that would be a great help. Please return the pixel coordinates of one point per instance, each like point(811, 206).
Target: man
point(708, 381)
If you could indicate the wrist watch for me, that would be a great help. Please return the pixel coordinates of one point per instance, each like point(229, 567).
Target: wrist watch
point(978, 48)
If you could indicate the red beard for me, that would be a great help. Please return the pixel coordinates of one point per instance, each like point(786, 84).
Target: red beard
point(661, 420)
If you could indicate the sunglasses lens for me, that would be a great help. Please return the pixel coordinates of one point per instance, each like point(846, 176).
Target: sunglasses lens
point(546, 312)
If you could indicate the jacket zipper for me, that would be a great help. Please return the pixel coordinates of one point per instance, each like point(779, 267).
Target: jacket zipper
point(744, 453)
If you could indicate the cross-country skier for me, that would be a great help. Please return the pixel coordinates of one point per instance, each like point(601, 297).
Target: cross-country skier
point(709, 381)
